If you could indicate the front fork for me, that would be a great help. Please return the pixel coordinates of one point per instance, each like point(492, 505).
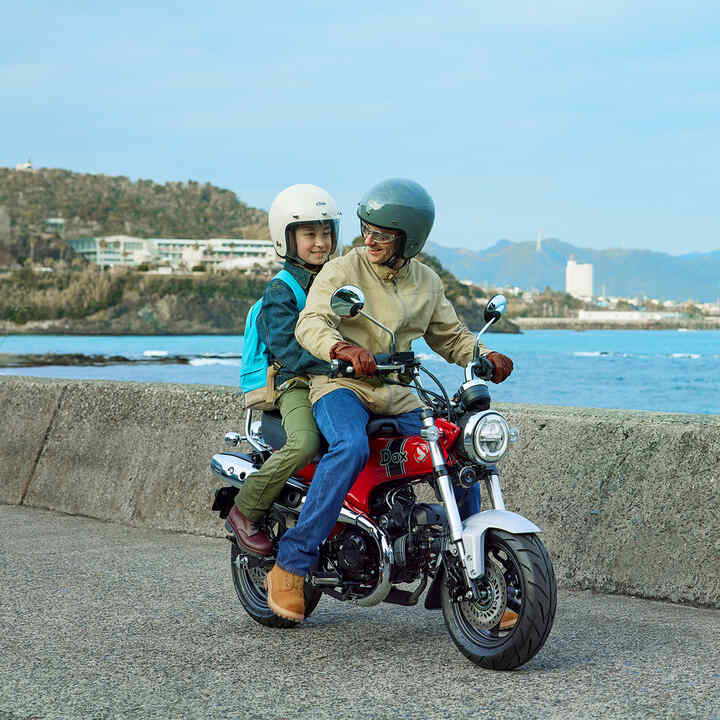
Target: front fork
point(431, 434)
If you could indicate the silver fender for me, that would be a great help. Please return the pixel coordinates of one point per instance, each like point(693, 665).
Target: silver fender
point(475, 527)
point(232, 467)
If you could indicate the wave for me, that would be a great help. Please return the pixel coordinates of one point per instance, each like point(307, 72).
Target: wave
point(692, 356)
point(155, 353)
point(214, 361)
point(591, 353)
point(221, 355)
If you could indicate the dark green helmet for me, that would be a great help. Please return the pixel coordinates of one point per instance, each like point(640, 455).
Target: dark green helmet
point(400, 204)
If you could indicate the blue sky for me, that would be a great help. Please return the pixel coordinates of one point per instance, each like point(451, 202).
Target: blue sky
point(596, 123)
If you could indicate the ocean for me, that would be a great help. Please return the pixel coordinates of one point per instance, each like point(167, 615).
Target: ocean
point(660, 370)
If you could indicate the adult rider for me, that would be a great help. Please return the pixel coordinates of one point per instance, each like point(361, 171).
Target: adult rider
point(404, 295)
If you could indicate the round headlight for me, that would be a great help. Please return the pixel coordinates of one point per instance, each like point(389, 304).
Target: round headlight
point(486, 437)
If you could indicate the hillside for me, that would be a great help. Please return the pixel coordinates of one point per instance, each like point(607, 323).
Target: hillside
point(624, 273)
point(102, 205)
point(91, 301)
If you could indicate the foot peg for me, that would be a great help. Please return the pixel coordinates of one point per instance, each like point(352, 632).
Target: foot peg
point(318, 579)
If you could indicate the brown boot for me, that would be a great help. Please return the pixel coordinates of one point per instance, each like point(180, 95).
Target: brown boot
point(285, 593)
point(508, 620)
point(248, 535)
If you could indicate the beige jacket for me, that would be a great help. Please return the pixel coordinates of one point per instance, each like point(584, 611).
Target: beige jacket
point(410, 301)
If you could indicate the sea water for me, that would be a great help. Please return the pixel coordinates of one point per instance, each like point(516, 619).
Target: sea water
point(661, 370)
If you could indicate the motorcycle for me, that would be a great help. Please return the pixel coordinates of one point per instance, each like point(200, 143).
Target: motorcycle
point(489, 573)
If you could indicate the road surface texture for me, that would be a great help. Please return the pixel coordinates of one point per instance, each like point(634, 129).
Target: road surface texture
point(100, 620)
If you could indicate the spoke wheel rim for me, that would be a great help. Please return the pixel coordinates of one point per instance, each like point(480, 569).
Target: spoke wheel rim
point(474, 618)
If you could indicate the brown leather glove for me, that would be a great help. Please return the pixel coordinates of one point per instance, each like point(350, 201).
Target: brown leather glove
point(503, 366)
point(361, 359)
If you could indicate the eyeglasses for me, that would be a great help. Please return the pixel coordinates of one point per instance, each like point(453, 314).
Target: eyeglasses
point(381, 238)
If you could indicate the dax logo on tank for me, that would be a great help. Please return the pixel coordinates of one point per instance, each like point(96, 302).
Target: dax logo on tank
point(393, 457)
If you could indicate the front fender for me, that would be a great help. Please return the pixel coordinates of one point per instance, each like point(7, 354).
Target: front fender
point(474, 529)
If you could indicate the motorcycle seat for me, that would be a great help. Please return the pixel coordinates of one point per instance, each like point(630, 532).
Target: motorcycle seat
point(383, 426)
point(274, 434)
point(272, 429)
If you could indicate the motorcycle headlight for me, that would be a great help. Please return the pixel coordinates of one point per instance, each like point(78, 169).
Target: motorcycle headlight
point(486, 437)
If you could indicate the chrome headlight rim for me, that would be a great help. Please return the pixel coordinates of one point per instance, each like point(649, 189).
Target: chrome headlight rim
point(473, 439)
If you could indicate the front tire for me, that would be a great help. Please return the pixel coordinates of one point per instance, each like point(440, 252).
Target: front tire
point(520, 578)
point(250, 587)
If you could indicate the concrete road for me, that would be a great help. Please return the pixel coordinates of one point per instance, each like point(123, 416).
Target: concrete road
point(100, 620)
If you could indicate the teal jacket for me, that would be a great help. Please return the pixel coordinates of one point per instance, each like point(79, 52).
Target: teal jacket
point(276, 326)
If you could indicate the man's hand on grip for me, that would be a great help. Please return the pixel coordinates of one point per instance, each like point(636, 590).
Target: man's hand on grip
point(503, 366)
point(362, 360)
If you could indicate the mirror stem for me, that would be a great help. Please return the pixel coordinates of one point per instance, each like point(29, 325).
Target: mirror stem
point(380, 325)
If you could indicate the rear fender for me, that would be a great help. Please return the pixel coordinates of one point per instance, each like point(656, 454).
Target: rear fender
point(474, 529)
point(233, 467)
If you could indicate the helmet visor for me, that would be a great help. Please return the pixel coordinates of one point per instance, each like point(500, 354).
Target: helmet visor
point(370, 232)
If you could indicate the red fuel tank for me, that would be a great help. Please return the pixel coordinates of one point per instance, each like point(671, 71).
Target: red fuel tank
point(394, 457)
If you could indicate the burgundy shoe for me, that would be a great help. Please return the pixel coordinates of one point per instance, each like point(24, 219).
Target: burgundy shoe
point(247, 534)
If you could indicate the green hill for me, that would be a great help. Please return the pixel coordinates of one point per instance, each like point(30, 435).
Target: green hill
point(95, 205)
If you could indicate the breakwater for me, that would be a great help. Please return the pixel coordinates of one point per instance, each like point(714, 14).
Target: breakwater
point(629, 501)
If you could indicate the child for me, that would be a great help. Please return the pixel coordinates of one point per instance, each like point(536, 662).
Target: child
point(304, 227)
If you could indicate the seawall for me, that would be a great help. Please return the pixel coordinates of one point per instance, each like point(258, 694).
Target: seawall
point(629, 501)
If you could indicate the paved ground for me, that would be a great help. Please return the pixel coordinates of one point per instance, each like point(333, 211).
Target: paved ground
point(104, 621)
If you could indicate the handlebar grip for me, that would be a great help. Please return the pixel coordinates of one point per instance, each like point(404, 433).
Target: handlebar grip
point(484, 369)
point(341, 368)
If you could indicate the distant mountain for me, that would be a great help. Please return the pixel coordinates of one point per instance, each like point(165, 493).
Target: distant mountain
point(626, 273)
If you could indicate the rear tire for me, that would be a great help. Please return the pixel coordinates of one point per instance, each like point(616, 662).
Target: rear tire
point(522, 580)
point(250, 588)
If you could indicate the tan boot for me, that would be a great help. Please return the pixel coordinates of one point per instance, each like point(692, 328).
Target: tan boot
point(285, 593)
point(508, 620)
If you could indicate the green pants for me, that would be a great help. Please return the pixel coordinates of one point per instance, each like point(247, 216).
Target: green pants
point(261, 488)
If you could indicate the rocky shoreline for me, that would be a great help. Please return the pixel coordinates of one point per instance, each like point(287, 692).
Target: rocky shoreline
point(12, 360)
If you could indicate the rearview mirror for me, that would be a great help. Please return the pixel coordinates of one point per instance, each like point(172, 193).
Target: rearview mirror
point(347, 301)
point(495, 308)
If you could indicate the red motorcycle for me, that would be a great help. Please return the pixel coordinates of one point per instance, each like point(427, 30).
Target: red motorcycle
point(490, 573)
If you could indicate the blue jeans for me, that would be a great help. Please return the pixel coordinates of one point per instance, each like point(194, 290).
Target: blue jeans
point(342, 419)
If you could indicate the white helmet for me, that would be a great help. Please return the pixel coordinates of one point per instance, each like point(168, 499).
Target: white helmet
point(300, 204)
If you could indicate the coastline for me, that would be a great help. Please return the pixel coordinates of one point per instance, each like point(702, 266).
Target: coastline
point(550, 323)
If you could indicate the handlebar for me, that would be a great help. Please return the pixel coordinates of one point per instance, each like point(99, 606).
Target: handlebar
point(387, 363)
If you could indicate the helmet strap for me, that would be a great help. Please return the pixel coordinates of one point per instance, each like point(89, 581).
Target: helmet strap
point(301, 263)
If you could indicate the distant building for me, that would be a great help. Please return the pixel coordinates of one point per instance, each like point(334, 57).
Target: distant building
point(626, 316)
point(24, 167)
point(579, 279)
point(56, 225)
point(115, 250)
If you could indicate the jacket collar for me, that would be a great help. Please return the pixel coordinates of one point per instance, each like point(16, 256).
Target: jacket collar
point(301, 274)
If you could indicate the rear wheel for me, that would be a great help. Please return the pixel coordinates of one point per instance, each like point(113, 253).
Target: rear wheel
point(513, 618)
point(250, 587)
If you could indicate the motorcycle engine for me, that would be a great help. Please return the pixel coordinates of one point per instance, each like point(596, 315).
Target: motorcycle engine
point(354, 559)
point(413, 528)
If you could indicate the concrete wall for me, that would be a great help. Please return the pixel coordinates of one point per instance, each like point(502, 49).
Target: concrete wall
point(629, 501)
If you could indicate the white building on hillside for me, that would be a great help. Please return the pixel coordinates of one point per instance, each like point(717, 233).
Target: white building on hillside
point(579, 279)
point(175, 253)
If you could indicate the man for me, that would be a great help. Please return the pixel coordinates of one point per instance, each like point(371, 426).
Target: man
point(396, 217)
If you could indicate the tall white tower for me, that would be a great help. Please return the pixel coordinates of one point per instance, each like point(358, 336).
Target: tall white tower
point(538, 243)
point(579, 279)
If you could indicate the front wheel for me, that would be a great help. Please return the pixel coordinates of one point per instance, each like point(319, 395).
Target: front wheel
point(250, 587)
point(512, 619)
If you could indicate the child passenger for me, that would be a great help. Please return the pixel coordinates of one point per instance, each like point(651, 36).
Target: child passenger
point(304, 227)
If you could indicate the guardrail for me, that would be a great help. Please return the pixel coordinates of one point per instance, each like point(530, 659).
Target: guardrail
point(629, 501)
